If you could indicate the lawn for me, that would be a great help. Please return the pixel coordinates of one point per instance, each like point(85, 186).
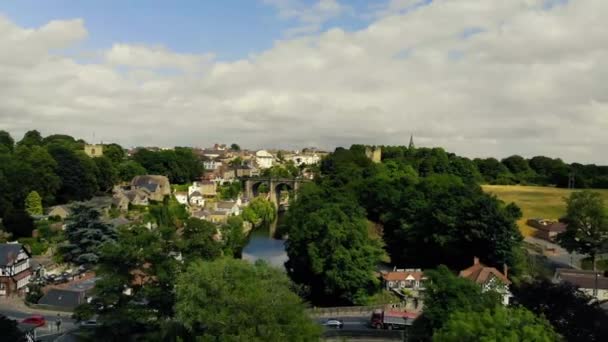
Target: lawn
point(535, 201)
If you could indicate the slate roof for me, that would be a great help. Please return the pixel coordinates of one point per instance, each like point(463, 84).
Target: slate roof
point(582, 279)
point(8, 253)
point(63, 298)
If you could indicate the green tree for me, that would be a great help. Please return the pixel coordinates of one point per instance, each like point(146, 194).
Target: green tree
point(31, 138)
point(85, 234)
point(498, 324)
point(33, 204)
point(587, 219)
point(106, 174)
point(446, 294)
point(7, 141)
point(260, 211)
point(199, 242)
point(77, 173)
point(573, 314)
point(215, 297)
point(230, 190)
point(318, 222)
point(114, 152)
point(233, 236)
point(128, 169)
point(43, 172)
point(18, 223)
point(146, 263)
point(235, 147)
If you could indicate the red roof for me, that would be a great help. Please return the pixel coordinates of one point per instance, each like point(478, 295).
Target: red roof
point(481, 273)
point(402, 275)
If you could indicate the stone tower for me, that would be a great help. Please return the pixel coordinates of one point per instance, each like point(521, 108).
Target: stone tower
point(374, 153)
point(93, 150)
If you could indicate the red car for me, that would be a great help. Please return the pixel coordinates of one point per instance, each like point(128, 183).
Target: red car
point(36, 320)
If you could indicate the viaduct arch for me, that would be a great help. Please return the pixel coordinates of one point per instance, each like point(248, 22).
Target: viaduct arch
point(274, 186)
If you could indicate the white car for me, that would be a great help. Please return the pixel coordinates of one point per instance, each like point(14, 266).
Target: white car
point(333, 323)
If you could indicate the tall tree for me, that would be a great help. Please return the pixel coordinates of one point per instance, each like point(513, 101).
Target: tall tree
point(114, 152)
point(446, 294)
point(260, 211)
point(587, 219)
point(319, 222)
point(573, 314)
point(106, 174)
point(85, 235)
point(199, 240)
point(10, 330)
point(31, 138)
point(129, 169)
point(7, 141)
point(215, 297)
point(77, 173)
point(498, 324)
point(18, 223)
point(33, 204)
point(235, 147)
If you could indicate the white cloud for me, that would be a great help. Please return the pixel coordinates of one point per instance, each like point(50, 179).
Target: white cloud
point(310, 19)
point(479, 78)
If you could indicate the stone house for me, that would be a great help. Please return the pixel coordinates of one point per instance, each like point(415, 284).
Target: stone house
point(62, 211)
point(181, 197)
point(399, 279)
point(197, 199)
point(231, 208)
point(489, 278)
point(157, 186)
point(121, 202)
point(15, 269)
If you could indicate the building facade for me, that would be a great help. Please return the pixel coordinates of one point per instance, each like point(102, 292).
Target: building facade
point(15, 269)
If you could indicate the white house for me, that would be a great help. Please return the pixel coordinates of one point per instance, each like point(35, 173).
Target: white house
point(264, 159)
point(212, 164)
point(197, 199)
point(181, 197)
point(15, 269)
point(308, 159)
point(593, 283)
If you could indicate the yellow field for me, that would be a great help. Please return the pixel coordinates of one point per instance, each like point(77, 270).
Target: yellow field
point(535, 201)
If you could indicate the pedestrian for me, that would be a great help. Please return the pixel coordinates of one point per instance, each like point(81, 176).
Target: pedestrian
point(58, 322)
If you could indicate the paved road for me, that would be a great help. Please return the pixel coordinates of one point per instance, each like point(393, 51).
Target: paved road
point(67, 323)
point(561, 258)
point(350, 323)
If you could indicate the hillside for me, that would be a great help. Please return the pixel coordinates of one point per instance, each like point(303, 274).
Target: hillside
point(535, 201)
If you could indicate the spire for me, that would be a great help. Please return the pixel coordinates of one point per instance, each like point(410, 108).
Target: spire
point(411, 146)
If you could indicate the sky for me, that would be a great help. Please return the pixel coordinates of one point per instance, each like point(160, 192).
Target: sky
point(479, 78)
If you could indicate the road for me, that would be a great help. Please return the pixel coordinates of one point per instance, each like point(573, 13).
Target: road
point(350, 323)
point(358, 328)
point(67, 323)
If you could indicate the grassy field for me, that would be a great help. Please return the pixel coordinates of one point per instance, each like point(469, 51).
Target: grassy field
point(535, 201)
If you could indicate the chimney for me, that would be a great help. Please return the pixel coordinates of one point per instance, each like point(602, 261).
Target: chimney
point(505, 270)
point(475, 260)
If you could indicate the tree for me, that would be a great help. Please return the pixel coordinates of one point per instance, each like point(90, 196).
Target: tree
point(10, 330)
point(106, 175)
point(18, 223)
point(233, 236)
point(77, 173)
point(33, 204)
point(85, 235)
point(31, 138)
point(128, 169)
point(135, 291)
point(114, 152)
point(215, 297)
point(573, 314)
point(587, 219)
point(7, 141)
point(44, 178)
point(498, 324)
point(318, 222)
point(446, 294)
point(199, 240)
point(235, 147)
point(260, 211)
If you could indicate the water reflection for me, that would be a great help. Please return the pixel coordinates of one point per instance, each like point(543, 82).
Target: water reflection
point(262, 245)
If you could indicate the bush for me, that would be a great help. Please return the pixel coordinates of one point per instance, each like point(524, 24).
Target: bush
point(36, 246)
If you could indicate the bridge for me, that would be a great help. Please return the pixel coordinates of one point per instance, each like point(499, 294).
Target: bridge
point(275, 186)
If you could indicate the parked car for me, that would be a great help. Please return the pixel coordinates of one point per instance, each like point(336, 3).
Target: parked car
point(334, 323)
point(36, 320)
point(89, 323)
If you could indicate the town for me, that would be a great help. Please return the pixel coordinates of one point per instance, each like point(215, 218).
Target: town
point(60, 263)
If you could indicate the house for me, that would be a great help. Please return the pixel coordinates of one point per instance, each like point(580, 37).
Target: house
point(15, 269)
point(231, 208)
point(409, 278)
point(201, 214)
point(208, 188)
point(158, 186)
point(197, 199)
point(217, 216)
point(247, 171)
point(62, 211)
point(547, 229)
point(120, 202)
point(593, 283)
point(264, 159)
point(211, 164)
point(181, 197)
point(305, 159)
point(489, 278)
point(138, 197)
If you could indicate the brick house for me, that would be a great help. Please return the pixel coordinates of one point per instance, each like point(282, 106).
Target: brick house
point(15, 269)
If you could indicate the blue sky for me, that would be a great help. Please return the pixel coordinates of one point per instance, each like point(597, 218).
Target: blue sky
point(231, 29)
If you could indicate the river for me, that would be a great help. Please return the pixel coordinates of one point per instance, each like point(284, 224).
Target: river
point(262, 245)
